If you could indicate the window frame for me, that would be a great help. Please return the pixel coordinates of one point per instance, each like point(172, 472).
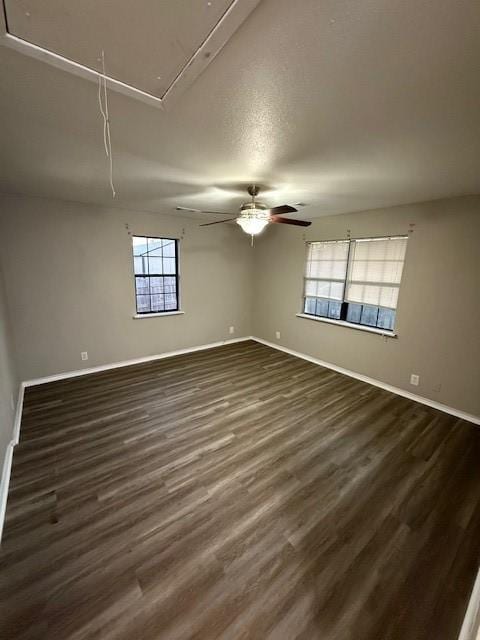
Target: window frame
point(176, 275)
point(344, 304)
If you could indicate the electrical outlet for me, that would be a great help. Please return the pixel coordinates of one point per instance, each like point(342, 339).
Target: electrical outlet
point(277, 335)
point(84, 355)
point(231, 330)
point(414, 379)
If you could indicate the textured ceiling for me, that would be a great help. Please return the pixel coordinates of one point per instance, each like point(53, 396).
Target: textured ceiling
point(343, 105)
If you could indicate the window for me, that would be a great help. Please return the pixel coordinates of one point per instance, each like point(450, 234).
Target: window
point(156, 274)
point(356, 281)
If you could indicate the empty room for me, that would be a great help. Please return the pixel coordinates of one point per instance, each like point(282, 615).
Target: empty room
point(239, 320)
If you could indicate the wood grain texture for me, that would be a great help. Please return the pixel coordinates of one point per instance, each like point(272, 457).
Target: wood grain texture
point(237, 493)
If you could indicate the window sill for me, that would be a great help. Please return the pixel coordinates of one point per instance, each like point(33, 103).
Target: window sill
point(162, 314)
point(350, 325)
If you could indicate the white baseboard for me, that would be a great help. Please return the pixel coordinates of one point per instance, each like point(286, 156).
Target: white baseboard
point(126, 363)
point(5, 482)
point(471, 622)
point(18, 414)
point(7, 460)
point(377, 383)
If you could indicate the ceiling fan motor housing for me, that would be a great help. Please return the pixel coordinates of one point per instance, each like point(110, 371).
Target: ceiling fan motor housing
point(253, 207)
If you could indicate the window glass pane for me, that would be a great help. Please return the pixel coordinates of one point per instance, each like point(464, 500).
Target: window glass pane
point(375, 271)
point(380, 248)
point(327, 260)
point(386, 319)
point(378, 271)
point(321, 308)
point(169, 265)
point(171, 303)
point(142, 286)
point(156, 285)
point(310, 305)
point(324, 289)
point(158, 302)
point(334, 309)
point(170, 284)
point(334, 269)
point(155, 247)
point(310, 287)
point(169, 248)
point(143, 304)
point(354, 312)
point(330, 289)
point(369, 315)
point(373, 294)
point(155, 265)
point(140, 265)
point(139, 246)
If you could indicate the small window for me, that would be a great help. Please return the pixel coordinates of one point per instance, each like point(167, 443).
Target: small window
point(156, 274)
point(355, 280)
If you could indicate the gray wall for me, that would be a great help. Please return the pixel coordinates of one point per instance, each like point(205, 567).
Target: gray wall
point(68, 273)
point(438, 316)
point(8, 378)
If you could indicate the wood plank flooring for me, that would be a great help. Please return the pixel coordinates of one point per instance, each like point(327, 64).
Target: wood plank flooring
point(237, 493)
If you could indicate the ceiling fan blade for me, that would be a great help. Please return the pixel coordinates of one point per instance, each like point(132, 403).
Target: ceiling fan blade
point(188, 209)
point(298, 223)
point(217, 213)
point(207, 224)
point(283, 208)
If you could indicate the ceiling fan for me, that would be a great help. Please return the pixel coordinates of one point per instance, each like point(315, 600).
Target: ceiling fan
point(254, 216)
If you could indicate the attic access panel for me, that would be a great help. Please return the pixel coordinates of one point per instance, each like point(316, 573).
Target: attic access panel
point(152, 48)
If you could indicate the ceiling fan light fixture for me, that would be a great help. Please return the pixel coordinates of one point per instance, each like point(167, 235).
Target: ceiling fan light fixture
point(253, 221)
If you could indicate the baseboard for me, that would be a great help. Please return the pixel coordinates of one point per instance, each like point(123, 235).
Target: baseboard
point(376, 383)
point(127, 363)
point(18, 414)
point(5, 482)
point(8, 458)
point(471, 622)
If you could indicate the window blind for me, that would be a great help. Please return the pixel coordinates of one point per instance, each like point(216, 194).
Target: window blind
point(326, 269)
point(375, 270)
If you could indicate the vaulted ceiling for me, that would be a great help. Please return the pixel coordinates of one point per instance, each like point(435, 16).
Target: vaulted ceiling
point(340, 104)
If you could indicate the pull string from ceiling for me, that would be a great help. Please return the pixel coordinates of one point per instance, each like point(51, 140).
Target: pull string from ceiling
point(103, 103)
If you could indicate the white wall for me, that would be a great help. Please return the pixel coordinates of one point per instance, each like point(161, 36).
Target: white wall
point(438, 316)
point(68, 273)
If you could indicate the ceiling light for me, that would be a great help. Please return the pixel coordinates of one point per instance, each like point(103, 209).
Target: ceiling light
point(253, 221)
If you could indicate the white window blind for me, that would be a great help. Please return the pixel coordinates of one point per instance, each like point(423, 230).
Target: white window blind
point(375, 270)
point(326, 269)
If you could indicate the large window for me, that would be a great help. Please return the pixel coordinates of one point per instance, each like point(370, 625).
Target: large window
point(355, 281)
point(156, 274)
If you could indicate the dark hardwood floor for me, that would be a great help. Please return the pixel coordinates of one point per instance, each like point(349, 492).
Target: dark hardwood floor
point(237, 493)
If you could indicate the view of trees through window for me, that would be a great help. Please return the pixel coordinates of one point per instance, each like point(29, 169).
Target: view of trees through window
point(156, 274)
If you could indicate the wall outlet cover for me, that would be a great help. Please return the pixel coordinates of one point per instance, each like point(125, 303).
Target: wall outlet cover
point(414, 379)
point(231, 330)
point(277, 335)
point(84, 355)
